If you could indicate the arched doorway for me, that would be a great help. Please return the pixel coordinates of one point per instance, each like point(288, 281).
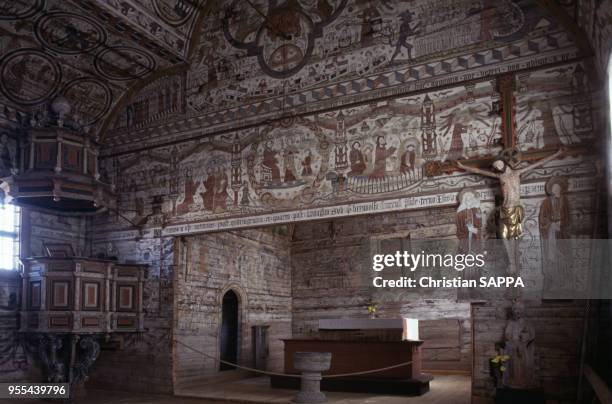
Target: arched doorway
point(228, 337)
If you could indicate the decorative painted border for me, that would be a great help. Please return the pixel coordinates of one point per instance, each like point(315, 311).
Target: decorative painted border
point(550, 49)
point(531, 189)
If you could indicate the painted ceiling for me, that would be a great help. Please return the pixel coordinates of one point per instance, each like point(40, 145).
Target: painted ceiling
point(89, 51)
point(261, 60)
point(253, 60)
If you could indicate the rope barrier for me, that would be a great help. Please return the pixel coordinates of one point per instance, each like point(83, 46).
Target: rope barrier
point(264, 372)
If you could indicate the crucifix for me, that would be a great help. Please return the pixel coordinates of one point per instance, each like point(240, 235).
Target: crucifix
point(511, 212)
point(504, 169)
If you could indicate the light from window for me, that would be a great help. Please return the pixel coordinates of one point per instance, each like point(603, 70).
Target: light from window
point(610, 90)
point(9, 236)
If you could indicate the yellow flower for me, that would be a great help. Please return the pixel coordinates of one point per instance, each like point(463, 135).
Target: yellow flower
point(495, 360)
point(502, 368)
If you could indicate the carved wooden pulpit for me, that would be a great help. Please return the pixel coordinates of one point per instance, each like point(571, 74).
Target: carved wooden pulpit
point(71, 304)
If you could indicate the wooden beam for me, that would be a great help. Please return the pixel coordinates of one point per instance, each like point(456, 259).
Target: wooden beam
point(506, 84)
point(447, 167)
point(602, 391)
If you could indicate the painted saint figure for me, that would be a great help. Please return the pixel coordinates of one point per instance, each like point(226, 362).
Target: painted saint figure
point(554, 213)
point(245, 199)
point(408, 160)
point(270, 163)
point(358, 164)
point(220, 197)
point(553, 221)
point(191, 186)
point(380, 157)
point(289, 163)
point(468, 221)
point(215, 195)
point(208, 196)
point(307, 164)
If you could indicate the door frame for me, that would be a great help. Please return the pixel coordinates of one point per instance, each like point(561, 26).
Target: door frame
point(242, 316)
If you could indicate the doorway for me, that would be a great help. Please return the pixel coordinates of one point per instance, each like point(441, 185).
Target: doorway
point(229, 330)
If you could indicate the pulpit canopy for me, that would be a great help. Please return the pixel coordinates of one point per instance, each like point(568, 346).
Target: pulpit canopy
point(56, 165)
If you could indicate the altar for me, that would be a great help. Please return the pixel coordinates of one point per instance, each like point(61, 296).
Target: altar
point(359, 346)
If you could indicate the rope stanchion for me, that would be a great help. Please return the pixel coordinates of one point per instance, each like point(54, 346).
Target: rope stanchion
point(264, 372)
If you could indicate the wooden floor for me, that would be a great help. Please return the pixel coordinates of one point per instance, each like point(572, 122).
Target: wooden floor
point(445, 389)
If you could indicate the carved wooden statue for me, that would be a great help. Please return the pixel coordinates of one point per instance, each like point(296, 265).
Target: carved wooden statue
point(511, 212)
point(519, 339)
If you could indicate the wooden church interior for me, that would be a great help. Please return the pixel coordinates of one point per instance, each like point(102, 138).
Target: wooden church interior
point(191, 191)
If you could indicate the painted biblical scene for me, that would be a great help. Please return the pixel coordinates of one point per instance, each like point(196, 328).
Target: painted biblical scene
point(555, 108)
point(271, 48)
point(353, 154)
point(261, 58)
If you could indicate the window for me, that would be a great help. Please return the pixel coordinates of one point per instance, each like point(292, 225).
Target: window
point(9, 236)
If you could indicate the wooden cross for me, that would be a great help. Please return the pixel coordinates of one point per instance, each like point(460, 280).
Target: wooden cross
point(506, 86)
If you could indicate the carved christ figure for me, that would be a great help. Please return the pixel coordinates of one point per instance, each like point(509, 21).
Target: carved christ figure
point(511, 212)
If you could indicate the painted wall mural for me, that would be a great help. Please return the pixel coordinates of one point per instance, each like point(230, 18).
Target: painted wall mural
point(262, 58)
point(351, 38)
point(281, 36)
point(370, 152)
point(162, 99)
point(562, 112)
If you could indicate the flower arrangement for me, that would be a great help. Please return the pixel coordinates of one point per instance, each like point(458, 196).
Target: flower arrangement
point(497, 365)
point(372, 310)
point(499, 360)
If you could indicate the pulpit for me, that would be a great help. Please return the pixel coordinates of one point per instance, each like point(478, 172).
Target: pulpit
point(81, 295)
point(71, 304)
point(359, 346)
point(55, 166)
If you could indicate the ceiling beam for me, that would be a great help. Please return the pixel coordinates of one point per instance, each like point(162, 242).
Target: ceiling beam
point(581, 39)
